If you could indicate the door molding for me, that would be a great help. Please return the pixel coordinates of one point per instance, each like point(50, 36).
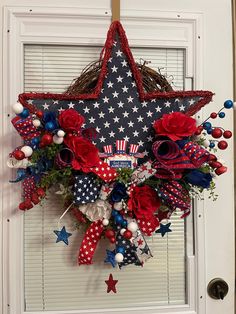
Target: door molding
point(40, 25)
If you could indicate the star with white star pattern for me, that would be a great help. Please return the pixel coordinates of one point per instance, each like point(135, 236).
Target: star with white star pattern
point(71, 105)
point(110, 84)
point(125, 89)
point(45, 106)
point(96, 105)
point(121, 98)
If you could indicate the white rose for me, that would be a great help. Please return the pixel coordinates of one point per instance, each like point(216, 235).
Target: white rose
point(98, 210)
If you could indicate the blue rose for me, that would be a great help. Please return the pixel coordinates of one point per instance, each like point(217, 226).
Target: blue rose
point(119, 192)
point(199, 178)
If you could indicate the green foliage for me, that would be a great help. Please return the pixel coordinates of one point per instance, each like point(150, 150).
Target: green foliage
point(153, 182)
point(124, 175)
point(48, 152)
point(212, 194)
point(54, 176)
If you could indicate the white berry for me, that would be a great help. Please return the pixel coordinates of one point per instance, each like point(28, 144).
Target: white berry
point(17, 108)
point(61, 133)
point(27, 150)
point(206, 143)
point(105, 222)
point(119, 257)
point(122, 231)
point(36, 123)
point(118, 206)
point(57, 140)
point(132, 226)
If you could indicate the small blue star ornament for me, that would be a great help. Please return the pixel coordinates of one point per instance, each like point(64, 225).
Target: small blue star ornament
point(164, 229)
point(62, 235)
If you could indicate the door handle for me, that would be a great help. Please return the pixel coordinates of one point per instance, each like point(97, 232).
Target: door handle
point(217, 289)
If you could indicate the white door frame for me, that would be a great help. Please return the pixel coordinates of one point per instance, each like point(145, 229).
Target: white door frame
point(73, 26)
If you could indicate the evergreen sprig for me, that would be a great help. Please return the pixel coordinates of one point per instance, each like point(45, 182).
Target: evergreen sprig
point(48, 152)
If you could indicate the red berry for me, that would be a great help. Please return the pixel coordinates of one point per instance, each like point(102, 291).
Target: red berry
point(221, 170)
point(46, 139)
point(40, 192)
point(109, 233)
point(216, 133)
point(112, 240)
point(227, 134)
point(22, 206)
point(35, 199)
point(212, 157)
point(222, 145)
point(19, 155)
point(200, 127)
point(28, 204)
point(39, 114)
point(127, 234)
point(213, 115)
point(199, 130)
point(215, 164)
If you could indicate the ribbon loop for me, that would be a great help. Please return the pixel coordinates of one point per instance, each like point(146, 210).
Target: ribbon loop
point(89, 243)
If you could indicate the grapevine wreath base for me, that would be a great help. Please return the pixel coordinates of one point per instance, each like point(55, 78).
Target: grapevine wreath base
point(123, 148)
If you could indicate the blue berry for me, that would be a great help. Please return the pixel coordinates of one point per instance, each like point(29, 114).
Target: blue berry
point(228, 104)
point(124, 224)
point(114, 213)
point(209, 131)
point(207, 125)
point(221, 115)
point(118, 219)
point(212, 145)
point(35, 141)
point(49, 126)
point(24, 114)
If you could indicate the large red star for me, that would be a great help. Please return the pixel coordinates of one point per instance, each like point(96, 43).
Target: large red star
point(111, 284)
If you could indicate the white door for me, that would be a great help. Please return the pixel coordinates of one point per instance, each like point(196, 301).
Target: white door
point(193, 47)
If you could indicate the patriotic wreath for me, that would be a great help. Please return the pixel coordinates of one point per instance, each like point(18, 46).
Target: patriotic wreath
point(110, 191)
point(127, 189)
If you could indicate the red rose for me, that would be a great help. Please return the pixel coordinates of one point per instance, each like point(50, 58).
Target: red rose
point(70, 120)
point(175, 125)
point(143, 201)
point(85, 153)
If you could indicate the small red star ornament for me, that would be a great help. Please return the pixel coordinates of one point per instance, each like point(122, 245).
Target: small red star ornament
point(111, 284)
